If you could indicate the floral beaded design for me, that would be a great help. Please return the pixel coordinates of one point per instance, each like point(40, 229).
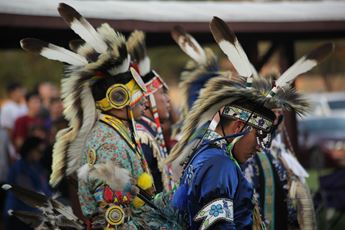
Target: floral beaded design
point(189, 174)
point(216, 210)
point(108, 146)
point(256, 120)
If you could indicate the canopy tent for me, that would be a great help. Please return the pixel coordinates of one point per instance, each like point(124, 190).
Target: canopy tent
point(262, 20)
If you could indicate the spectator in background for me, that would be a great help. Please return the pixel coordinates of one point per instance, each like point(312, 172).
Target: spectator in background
point(30, 124)
point(46, 90)
point(55, 114)
point(14, 107)
point(55, 109)
point(26, 172)
point(56, 126)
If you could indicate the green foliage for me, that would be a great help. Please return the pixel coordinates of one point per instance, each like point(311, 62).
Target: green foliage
point(27, 68)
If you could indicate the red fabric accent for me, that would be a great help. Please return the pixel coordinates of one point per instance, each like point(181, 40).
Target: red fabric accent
point(99, 74)
point(119, 196)
point(108, 194)
point(128, 197)
point(28, 126)
point(135, 66)
point(88, 224)
point(153, 85)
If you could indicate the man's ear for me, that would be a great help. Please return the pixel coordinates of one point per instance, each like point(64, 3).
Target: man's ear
point(238, 126)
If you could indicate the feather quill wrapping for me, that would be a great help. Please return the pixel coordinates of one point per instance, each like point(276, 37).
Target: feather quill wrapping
point(82, 27)
point(229, 44)
point(52, 52)
point(189, 45)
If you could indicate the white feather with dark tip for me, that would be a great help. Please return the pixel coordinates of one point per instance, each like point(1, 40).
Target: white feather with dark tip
point(52, 52)
point(305, 64)
point(117, 49)
point(82, 27)
point(53, 211)
point(189, 45)
point(32, 219)
point(229, 44)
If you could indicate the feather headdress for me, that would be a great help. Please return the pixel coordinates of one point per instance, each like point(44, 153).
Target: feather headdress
point(101, 54)
point(221, 91)
point(230, 45)
point(198, 71)
point(137, 49)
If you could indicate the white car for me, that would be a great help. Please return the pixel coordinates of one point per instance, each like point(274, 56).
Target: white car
point(327, 104)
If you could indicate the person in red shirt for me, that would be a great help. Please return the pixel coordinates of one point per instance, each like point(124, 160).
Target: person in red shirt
point(30, 125)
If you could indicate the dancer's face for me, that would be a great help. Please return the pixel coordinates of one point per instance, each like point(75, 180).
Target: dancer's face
point(138, 109)
point(163, 104)
point(247, 146)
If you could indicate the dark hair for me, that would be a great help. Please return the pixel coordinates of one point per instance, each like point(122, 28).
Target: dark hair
point(12, 86)
point(100, 87)
point(30, 95)
point(30, 144)
point(55, 100)
point(225, 120)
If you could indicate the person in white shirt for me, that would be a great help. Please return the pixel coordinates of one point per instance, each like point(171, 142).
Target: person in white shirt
point(13, 107)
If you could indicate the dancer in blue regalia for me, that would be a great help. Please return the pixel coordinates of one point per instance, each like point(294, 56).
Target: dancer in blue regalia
point(230, 122)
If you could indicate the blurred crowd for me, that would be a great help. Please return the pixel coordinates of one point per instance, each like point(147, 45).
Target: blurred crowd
point(29, 122)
